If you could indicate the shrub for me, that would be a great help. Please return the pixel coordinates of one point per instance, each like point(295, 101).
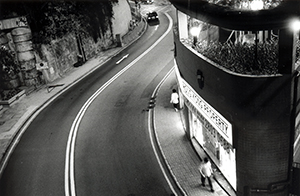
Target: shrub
point(8, 64)
point(243, 58)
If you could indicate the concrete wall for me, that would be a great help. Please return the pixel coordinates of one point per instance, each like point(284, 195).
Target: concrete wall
point(122, 17)
point(259, 108)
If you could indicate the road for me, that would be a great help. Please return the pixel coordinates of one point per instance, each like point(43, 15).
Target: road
point(109, 151)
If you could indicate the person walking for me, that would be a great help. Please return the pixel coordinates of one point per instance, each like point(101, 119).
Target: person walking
point(206, 172)
point(175, 99)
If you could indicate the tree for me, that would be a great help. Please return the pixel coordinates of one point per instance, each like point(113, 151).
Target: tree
point(50, 20)
point(8, 71)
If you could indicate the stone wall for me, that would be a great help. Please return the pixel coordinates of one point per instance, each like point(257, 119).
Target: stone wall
point(61, 55)
point(58, 57)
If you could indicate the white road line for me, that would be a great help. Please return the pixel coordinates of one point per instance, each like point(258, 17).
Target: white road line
point(124, 57)
point(152, 137)
point(296, 144)
point(70, 189)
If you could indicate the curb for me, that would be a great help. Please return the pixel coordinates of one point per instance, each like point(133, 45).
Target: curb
point(152, 116)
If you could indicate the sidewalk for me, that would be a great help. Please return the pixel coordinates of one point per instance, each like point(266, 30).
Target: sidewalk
point(180, 154)
point(177, 149)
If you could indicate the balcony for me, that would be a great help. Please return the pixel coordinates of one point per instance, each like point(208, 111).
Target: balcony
point(239, 51)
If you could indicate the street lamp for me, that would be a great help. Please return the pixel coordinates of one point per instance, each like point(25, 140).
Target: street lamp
point(295, 25)
point(257, 5)
point(195, 32)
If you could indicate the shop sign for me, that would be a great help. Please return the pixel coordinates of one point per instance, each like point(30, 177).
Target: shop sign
point(210, 114)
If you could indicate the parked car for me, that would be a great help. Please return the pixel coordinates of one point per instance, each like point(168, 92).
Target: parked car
point(152, 18)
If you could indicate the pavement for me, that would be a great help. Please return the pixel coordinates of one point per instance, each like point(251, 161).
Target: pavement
point(180, 154)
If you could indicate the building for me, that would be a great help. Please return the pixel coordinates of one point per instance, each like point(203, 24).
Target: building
point(237, 78)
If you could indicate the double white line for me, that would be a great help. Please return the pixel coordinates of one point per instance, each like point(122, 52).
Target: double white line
point(70, 189)
point(70, 151)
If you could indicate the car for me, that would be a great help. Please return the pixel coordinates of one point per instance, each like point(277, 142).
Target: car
point(147, 1)
point(152, 18)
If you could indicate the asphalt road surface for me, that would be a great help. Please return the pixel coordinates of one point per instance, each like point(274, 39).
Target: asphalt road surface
point(94, 138)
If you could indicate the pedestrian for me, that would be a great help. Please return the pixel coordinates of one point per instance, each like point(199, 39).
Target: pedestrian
point(206, 172)
point(175, 99)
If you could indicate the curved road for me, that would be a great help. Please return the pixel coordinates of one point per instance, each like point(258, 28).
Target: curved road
point(113, 154)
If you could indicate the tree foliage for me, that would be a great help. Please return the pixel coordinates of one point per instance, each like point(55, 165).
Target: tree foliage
point(53, 19)
point(241, 58)
point(268, 4)
point(8, 65)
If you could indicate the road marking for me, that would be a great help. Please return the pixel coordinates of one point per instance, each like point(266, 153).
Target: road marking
point(70, 189)
point(124, 57)
point(150, 119)
point(296, 145)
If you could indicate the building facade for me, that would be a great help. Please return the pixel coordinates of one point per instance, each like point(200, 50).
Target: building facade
point(236, 73)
